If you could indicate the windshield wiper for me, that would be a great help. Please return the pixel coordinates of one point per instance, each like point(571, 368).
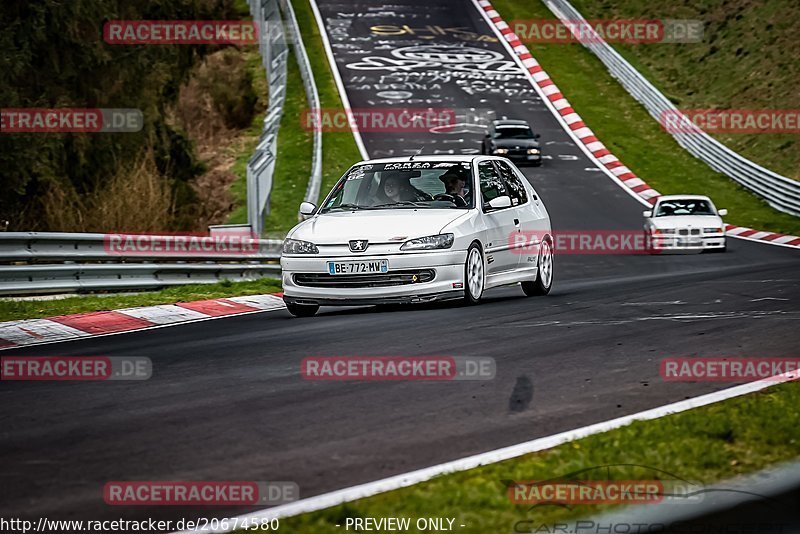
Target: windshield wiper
point(401, 203)
point(346, 207)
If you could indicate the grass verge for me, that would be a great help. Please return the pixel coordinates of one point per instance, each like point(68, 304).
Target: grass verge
point(15, 310)
point(707, 444)
point(740, 63)
point(633, 136)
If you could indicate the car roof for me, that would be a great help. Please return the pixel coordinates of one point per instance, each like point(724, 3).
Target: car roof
point(406, 159)
point(510, 122)
point(683, 197)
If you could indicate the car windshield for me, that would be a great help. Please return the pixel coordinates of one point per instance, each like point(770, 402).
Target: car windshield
point(688, 206)
point(513, 132)
point(403, 185)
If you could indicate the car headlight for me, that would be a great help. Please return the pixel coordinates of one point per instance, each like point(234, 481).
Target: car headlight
point(533, 151)
point(430, 242)
point(501, 151)
point(665, 230)
point(295, 246)
point(712, 230)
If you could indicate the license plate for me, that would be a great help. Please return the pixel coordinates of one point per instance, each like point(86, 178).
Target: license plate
point(358, 267)
point(688, 242)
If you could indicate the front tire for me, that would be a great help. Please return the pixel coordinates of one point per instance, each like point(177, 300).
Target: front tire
point(302, 310)
point(474, 275)
point(544, 273)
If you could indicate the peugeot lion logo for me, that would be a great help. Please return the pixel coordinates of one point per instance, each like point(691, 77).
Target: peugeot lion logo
point(358, 245)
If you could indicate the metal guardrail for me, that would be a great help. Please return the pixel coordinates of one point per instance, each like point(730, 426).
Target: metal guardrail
point(274, 54)
point(315, 181)
point(274, 49)
point(36, 263)
point(780, 192)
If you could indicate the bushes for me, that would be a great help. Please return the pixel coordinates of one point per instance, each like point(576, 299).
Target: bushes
point(54, 56)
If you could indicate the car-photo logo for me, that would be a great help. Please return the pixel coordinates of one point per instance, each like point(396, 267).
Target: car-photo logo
point(358, 245)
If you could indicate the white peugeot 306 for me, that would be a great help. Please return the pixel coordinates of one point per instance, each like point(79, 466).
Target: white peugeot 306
point(684, 223)
point(416, 230)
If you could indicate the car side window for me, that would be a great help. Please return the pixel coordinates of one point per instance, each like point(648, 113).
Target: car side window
point(492, 185)
point(516, 189)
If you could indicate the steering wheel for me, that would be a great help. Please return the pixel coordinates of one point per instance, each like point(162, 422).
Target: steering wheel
point(455, 199)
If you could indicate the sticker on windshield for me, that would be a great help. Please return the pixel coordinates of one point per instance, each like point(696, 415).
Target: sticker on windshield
point(358, 172)
point(405, 166)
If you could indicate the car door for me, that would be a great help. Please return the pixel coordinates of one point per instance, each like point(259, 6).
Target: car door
point(500, 225)
point(530, 218)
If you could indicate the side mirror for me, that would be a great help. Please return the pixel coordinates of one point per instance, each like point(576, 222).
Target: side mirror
point(537, 136)
point(307, 208)
point(488, 135)
point(723, 212)
point(647, 213)
point(503, 201)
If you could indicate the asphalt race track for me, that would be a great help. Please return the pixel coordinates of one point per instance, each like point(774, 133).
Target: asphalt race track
point(226, 400)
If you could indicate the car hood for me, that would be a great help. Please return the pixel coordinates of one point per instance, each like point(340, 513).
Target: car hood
point(512, 143)
point(687, 221)
point(376, 226)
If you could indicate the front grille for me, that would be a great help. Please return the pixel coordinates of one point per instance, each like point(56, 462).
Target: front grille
point(686, 231)
point(392, 278)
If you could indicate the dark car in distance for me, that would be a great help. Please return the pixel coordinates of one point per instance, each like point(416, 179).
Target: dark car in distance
point(513, 139)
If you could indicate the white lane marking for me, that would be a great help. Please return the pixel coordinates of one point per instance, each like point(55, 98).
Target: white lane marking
point(163, 314)
point(653, 303)
point(337, 77)
point(681, 318)
point(767, 298)
point(369, 489)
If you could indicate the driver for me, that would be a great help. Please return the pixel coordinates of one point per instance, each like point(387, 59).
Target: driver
point(455, 181)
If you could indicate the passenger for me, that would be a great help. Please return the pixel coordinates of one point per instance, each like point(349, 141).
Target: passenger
point(397, 188)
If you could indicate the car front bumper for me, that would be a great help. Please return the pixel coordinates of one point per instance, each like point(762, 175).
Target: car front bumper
point(447, 281)
point(678, 243)
point(534, 159)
